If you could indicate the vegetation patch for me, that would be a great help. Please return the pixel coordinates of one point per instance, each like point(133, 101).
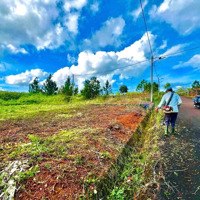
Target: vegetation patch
point(73, 146)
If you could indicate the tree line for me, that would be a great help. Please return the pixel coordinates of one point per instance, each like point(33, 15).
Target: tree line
point(92, 88)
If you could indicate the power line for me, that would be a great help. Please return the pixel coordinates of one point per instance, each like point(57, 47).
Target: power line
point(175, 53)
point(146, 28)
point(158, 58)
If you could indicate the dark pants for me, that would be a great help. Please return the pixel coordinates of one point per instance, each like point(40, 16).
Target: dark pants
point(170, 118)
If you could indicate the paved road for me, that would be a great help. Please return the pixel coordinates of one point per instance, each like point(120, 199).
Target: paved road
point(182, 156)
point(189, 114)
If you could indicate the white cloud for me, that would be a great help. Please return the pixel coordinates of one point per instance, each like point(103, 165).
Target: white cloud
point(179, 87)
point(174, 49)
point(183, 15)
point(61, 75)
point(35, 22)
point(74, 4)
point(25, 78)
point(72, 23)
point(109, 34)
point(136, 13)
point(107, 64)
point(94, 7)
point(15, 50)
point(164, 45)
point(71, 59)
point(1, 89)
point(193, 62)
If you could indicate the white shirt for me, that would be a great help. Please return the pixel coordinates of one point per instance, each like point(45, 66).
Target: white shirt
point(174, 103)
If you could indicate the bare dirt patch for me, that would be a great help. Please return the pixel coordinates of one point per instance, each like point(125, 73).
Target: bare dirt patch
point(85, 143)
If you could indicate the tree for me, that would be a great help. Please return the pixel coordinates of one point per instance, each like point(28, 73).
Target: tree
point(67, 89)
point(167, 85)
point(145, 87)
point(195, 84)
point(182, 91)
point(50, 86)
point(142, 86)
point(107, 88)
point(76, 91)
point(123, 89)
point(91, 88)
point(155, 87)
point(34, 86)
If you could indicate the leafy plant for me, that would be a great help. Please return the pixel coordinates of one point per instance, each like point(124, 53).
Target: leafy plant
point(30, 173)
point(117, 194)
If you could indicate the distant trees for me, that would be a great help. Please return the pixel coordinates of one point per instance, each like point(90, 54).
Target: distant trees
point(49, 86)
point(145, 87)
point(69, 88)
point(167, 85)
point(34, 86)
point(123, 89)
point(107, 89)
point(91, 88)
point(142, 86)
point(195, 84)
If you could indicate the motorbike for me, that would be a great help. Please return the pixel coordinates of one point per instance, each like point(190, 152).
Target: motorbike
point(196, 101)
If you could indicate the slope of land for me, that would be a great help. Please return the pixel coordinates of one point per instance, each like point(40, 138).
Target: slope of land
point(62, 151)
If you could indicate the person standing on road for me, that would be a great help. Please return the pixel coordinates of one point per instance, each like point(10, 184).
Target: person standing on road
point(172, 101)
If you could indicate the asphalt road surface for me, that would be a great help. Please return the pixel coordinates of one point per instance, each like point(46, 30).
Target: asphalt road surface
point(189, 114)
point(181, 155)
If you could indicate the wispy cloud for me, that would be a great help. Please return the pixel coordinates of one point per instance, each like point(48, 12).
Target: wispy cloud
point(193, 62)
point(25, 78)
point(164, 45)
point(108, 35)
point(174, 49)
point(94, 7)
point(182, 15)
point(136, 13)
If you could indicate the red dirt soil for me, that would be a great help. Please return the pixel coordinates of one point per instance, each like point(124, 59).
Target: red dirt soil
point(67, 179)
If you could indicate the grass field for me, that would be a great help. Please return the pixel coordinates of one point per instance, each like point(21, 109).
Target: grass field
point(61, 149)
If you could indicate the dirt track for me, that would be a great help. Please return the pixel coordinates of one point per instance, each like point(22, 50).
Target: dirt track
point(182, 156)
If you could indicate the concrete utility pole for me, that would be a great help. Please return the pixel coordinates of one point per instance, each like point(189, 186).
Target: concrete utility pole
point(151, 78)
point(73, 83)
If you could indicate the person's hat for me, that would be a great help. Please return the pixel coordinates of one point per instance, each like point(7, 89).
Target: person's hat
point(168, 88)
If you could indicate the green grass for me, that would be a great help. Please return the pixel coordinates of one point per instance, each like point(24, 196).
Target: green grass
point(138, 169)
point(24, 105)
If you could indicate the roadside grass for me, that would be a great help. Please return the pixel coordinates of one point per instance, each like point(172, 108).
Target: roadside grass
point(139, 175)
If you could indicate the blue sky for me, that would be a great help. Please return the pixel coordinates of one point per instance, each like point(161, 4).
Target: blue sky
point(99, 37)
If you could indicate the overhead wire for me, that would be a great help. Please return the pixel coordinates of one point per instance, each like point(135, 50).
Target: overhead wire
point(175, 53)
point(145, 24)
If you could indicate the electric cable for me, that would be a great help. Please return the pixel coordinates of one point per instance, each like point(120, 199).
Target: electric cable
point(175, 53)
point(145, 24)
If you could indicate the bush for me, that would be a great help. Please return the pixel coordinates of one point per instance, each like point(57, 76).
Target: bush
point(10, 95)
